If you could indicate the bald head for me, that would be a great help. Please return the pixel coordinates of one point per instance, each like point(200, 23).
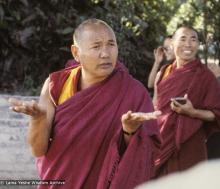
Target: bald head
point(184, 28)
point(88, 25)
point(95, 48)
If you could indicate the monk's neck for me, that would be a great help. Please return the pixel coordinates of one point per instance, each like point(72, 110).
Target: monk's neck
point(88, 80)
point(181, 62)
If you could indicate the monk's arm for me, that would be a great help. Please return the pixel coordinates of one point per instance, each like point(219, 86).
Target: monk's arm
point(158, 55)
point(152, 75)
point(188, 109)
point(154, 100)
point(205, 115)
point(41, 124)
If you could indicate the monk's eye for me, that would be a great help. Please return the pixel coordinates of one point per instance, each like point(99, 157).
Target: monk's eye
point(95, 47)
point(183, 39)
point(112, 44)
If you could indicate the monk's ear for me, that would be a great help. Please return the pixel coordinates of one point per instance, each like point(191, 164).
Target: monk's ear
point(171, 44)
point(75, 52)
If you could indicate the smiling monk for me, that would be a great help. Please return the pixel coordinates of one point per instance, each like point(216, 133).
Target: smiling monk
point(185, 126)
point(83, 130)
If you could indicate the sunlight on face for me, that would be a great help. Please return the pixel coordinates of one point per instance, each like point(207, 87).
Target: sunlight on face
point(185, 44)
point(97, 51)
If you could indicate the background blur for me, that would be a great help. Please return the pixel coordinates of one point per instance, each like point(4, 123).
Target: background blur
point(36, 35)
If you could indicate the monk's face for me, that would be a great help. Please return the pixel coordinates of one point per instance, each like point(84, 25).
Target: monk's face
point(168, 50)
point(185, 44)
point(97, 51)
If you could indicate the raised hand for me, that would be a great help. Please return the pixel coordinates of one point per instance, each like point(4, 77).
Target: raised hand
point(131, 121)
point(30, 108)
point(158, 55)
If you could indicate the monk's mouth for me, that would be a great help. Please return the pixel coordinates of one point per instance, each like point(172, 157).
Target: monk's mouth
point(105, 65)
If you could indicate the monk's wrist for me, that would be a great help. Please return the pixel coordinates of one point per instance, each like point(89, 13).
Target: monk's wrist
point(128, 132)
point(157, 64)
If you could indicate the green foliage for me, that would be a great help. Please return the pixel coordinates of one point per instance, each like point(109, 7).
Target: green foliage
point(205, 17)
point(140, 26)
point(36, 35)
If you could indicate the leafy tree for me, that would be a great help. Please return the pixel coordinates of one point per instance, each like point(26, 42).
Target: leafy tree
point(204, 16)
point(36, 35)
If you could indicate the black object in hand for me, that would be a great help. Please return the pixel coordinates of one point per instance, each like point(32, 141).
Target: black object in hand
point(180, 100)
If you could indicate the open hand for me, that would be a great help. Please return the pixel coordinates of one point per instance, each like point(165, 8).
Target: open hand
point(131, 121)
point(30, 108)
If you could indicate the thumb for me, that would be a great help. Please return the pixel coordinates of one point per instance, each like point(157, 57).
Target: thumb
point(186, 96)
point(157, 113)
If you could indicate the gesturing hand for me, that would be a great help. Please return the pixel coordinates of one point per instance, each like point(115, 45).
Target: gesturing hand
point(132, 121)
point(30, 108)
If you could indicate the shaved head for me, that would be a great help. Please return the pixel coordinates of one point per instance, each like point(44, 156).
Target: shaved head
point(179, 30)
point(95, 48)
point(88, 24)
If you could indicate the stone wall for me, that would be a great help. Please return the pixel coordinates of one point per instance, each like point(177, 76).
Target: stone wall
point(16, 161)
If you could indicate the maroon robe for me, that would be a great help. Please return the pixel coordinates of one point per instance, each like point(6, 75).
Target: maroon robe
point(87, 133)
point(184, 137)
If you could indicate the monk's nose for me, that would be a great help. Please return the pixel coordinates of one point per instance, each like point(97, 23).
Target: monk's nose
point(104, 53)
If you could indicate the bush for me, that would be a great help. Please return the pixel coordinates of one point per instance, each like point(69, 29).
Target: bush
point(36, 37)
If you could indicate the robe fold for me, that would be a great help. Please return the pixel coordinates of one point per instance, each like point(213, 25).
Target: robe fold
point(86, 134)
point(184, 137)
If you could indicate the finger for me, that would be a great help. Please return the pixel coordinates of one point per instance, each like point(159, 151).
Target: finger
point(126, 116)
point(35, 107)
point(15, 109)
point(18, 109)
point(28, 108)
point(137, 118)
point(23, 107)
point(152, 115)
point(175, 103)
point(19, 106)
point(129, 114)
point(157, 113)
point(173, 106)
point(14, 102)
point(32, 108)
point(140, 116)
point(160, 48)
point(135, 115)
point(186, 96)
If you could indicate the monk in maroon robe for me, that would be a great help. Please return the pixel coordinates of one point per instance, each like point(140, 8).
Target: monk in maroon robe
point(83, 130)
point(185, 122)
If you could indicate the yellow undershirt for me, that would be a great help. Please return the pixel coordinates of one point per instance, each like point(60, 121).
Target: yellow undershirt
point(167, 71)
point(69, 87)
